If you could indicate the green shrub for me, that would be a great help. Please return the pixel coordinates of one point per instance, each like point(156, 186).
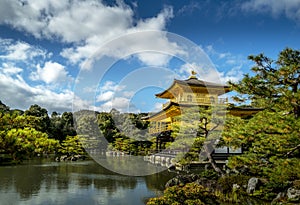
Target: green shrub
point(189, 194)
point(226, 182)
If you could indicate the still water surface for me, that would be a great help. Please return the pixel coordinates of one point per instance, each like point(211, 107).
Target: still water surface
point(72, 183)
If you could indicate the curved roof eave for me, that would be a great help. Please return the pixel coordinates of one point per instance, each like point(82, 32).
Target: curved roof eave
point(194, 82)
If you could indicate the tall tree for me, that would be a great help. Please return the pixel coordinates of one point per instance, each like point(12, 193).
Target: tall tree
point(107, 126)
point(24, 143)
point(89, 131)
point(61, 126)
point(199, 129)
point(67, 121)
point(270, 139)
point(275, 84)
point(3, 107)
point(37, 111)
point(72, 145)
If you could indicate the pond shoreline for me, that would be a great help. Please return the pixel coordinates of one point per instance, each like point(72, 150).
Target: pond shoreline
point(44, 181)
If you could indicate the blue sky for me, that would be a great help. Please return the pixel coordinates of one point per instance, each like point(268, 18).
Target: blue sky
point(56, 53)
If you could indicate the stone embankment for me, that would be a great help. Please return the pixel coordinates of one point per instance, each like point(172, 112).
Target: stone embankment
point(69, 158)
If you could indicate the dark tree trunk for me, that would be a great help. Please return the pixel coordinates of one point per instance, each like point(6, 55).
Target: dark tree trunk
point(212, 161)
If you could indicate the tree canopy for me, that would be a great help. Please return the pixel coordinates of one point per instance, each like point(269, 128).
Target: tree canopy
point(275, 84)
point(271, 139)
point(198, 131)
point(33, 133)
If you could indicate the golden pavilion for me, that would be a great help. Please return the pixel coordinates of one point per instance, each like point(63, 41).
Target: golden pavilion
point(187, 93)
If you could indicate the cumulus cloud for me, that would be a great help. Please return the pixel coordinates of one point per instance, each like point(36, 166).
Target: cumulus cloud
point(83, 26)
point(234, 74)
point(128, 94)
point(113, 95)
point(236, 63)
point(19, 51)
point(105, 96)
point(120, 103)
point(70, 21)
point(16, 93)
point(209, 75)
point(17, 60)
point(10, 69)
point(154, 59)
point(111, 86)
point(86, 25)
point(122, 45)
point(157, 107)
point(289, 8)
point(52, 72)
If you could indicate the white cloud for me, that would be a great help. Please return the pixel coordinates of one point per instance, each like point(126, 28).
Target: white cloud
point(22, 15)
point(19, 51)
point(75, 23)
point(111, 86)
point(186, 69)
point(234, 74)
point(113, 95)
point(289, 8)
point(120, 103)
point(16, 93)
point(10, 69)
point(17, 58)
point(155, 23)
point(147, 44)
point(105, 96)
point(212, 52)
point(87, 25)
point(89, 89)
point(52, 72)
point(154, 59)
point(70, 21)
point(157, 107)
point(189, 8)
point(233, 63)
point(206, 74)
point(128, 94)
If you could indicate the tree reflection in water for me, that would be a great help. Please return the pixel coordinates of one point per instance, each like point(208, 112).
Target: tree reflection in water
point(75, 183)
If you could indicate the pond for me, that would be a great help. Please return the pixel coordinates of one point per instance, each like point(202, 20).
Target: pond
point(72, 183)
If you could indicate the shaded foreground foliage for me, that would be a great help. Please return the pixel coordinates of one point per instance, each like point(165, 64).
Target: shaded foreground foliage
point(271, 139)
point(189, 194)
point(198, 131)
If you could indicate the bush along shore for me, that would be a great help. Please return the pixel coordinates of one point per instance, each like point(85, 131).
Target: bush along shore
point(197, 189)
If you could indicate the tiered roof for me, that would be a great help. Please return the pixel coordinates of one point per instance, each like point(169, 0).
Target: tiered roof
point(193, 82)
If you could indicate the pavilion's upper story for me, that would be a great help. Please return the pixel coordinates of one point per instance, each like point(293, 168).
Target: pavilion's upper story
point(194, 92)
point(188, 93)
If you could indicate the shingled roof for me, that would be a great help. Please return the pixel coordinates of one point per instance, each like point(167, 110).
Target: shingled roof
point(195, 82)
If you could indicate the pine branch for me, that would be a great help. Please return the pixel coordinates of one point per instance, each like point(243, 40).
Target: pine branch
point(292, 150)
point(215, 127)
